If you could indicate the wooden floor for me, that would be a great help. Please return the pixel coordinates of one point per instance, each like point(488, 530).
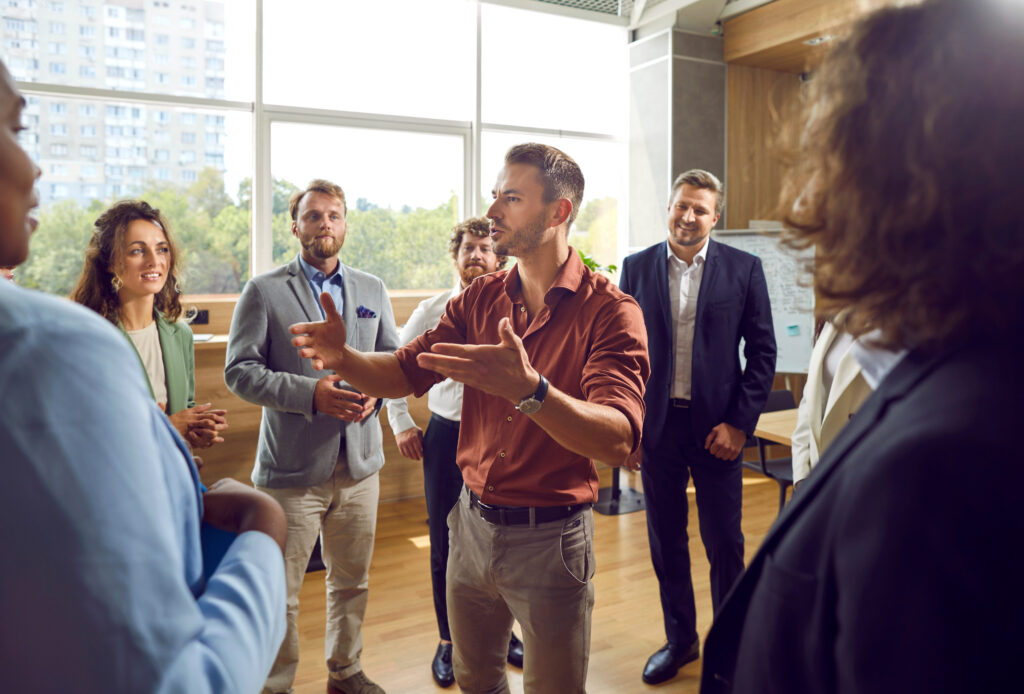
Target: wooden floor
point(400, 635)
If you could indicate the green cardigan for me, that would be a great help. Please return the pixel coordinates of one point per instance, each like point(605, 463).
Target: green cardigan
point(179, 363)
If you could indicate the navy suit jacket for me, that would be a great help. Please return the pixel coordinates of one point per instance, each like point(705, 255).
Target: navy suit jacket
point(732, 304)
point(895, 567)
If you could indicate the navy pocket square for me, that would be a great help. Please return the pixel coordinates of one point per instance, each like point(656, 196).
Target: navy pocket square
point(363, 312)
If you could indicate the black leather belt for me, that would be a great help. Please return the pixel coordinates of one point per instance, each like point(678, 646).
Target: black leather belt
point(438, 419)
point(678, 402)
point(520, 515)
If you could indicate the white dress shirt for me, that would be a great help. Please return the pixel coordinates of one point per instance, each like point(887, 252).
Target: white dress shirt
point(683, 288)
point(445, 398)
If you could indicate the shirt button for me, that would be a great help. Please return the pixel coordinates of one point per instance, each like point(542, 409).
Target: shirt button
point(522, 309)
point(490, 487)
point(510, 418)
point(502, 454)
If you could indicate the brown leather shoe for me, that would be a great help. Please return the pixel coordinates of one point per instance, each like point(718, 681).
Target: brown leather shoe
point(358, 683)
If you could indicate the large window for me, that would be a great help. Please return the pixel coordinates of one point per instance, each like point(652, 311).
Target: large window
point(402, 188)
point(172, 102)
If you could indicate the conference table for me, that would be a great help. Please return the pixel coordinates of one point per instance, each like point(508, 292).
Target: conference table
point(777, 426)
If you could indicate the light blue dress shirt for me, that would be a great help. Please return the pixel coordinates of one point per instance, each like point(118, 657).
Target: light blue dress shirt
point(101, 584)
point(319, 283)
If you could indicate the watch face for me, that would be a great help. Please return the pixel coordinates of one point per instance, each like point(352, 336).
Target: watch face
point(529, 406)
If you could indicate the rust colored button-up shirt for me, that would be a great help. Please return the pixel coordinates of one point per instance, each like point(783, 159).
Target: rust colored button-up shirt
point(590, 342)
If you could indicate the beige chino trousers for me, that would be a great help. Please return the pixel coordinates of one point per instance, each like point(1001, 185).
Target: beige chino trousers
point(538, 576)
point(343, 513)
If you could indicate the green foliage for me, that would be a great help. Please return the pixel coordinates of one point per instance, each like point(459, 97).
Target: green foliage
point(595, 233)
point(406, 248)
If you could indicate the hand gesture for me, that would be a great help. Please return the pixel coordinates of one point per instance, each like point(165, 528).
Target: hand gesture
point(725, 441)
point(334, 400)
point(502, 369)
point(201, 425)
point(323, 342)
point(410, 443)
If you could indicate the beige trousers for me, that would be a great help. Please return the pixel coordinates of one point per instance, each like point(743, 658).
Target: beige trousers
point(343, 512)
point(538, 576)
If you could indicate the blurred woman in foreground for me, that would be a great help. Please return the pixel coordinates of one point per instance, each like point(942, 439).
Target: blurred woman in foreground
point(130, 279)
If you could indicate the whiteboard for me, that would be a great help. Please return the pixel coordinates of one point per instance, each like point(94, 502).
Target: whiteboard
point(792, 301)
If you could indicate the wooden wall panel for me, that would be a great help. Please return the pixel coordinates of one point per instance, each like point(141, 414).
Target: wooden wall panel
point(754, 99)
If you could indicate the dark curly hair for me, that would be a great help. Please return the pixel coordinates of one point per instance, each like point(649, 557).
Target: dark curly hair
point(905, 175)
point(106, 250)
point(474, 226)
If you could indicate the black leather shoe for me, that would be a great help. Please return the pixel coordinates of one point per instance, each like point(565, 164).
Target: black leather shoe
point(515, 652)
point(441, 667)
point(666, 661)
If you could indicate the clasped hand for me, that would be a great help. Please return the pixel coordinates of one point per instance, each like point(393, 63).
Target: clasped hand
point(201, 425)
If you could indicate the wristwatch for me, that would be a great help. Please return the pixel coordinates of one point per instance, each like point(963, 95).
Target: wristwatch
point(531, 404)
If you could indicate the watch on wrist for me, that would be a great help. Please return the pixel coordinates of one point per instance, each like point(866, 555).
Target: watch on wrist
point(532, 403)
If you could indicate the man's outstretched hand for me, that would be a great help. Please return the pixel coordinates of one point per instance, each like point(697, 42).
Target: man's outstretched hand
point(323, 342)
point(503, 369)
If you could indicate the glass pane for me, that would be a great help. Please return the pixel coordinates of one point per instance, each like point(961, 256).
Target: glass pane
point(400, 208)
point(548, 71)
point(403, 57)
point(595, 231)
point(181, 160)
point(200, 48)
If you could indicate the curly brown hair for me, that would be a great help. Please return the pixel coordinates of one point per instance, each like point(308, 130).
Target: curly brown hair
point(106, 249)
point(905, 175)
point(474, 226)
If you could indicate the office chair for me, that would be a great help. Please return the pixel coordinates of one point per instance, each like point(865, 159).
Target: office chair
point(778, 469)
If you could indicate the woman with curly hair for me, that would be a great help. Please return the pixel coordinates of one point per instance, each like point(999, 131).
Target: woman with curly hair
point(895, 568)
point(130, 278)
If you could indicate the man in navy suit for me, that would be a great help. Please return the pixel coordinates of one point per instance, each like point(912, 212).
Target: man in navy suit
point(699, 299)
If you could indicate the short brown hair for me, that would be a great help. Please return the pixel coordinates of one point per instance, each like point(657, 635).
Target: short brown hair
point(317, 185)
point(905, 175)
point(474, 226)
point(560, 174)
point(106, 249)
point(705, 180)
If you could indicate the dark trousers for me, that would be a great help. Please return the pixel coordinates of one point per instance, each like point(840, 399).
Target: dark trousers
point(442, 483)
point(667, 467)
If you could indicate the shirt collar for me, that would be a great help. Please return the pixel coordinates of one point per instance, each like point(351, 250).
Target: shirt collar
point(569, 277)
point(875, 362)
point(699, 259)
point(310, 272)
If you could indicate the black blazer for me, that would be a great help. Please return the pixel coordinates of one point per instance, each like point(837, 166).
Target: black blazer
point(732, 304)
point(895, 568)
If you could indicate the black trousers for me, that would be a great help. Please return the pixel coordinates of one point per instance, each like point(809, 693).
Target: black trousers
point(442, 483)
point(666, 470)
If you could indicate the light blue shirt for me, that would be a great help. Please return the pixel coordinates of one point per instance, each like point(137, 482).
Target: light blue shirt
point(101, 585)
point(319, 283)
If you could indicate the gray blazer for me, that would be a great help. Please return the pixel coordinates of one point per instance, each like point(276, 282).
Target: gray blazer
point(296, 447)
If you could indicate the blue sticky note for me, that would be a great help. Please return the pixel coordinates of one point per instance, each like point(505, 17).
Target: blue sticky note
point(792, 331)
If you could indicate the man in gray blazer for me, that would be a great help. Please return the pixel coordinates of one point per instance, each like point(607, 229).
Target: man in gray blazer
point(320, 441)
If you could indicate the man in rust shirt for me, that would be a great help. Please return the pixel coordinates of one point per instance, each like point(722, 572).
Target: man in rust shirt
point(554, 360)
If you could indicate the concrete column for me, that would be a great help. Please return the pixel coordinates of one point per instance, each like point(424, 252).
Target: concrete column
point(676, 121)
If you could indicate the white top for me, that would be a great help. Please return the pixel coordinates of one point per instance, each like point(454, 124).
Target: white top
point(683, 288)
point(836, 351)
point(147, 344)
point(445, 398)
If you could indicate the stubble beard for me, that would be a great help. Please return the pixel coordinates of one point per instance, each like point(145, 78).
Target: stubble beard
point(527, 240)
